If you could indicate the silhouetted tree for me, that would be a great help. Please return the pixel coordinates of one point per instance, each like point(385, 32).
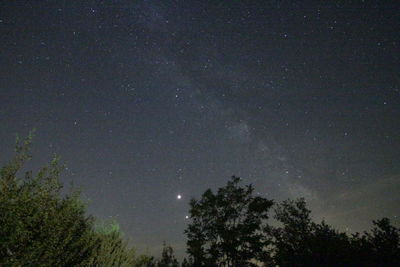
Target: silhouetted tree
point(37, 226)
point(186, 263)
point(226, 228)
point(380, 247)
point(167, 257)
point(111, 249)
point(40, 227)
point(301, 242)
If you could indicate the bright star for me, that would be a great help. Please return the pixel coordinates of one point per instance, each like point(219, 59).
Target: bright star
point(178, 196)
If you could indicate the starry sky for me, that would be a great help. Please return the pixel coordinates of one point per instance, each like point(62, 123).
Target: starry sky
point(146, 101)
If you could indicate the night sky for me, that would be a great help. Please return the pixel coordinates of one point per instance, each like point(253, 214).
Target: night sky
point(148, 100)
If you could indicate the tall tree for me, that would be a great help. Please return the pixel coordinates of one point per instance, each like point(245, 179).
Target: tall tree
point(299, 241)
point(226, 228)
point(41, 227)
point(111, 249)
point(384, 243)
point(37, 226)
point(167, 257)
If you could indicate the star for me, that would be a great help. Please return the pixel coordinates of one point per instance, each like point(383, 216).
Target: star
point(186, 112)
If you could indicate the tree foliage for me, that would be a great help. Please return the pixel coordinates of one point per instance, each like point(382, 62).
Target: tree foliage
point(226, 227)
point(112, 250)
point(37, 226)
point(168, 258)
point(40, 227)
point(230, 229)
point(380, 246)
point(301, 242)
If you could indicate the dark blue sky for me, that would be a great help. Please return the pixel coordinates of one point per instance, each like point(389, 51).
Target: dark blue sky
point(145, 100)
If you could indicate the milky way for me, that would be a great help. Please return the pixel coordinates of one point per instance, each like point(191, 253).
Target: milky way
point(149, 103)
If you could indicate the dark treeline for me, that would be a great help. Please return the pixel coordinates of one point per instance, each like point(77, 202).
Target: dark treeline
point(39, 226)
point(230, 228)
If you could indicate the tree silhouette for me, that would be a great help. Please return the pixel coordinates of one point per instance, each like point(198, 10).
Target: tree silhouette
point(167, 257)
point(186, 263)
point(301, 242)
point(226, 228)
point(40, 227)
point(382, 245)
point(37, 226)
point(111, 249)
